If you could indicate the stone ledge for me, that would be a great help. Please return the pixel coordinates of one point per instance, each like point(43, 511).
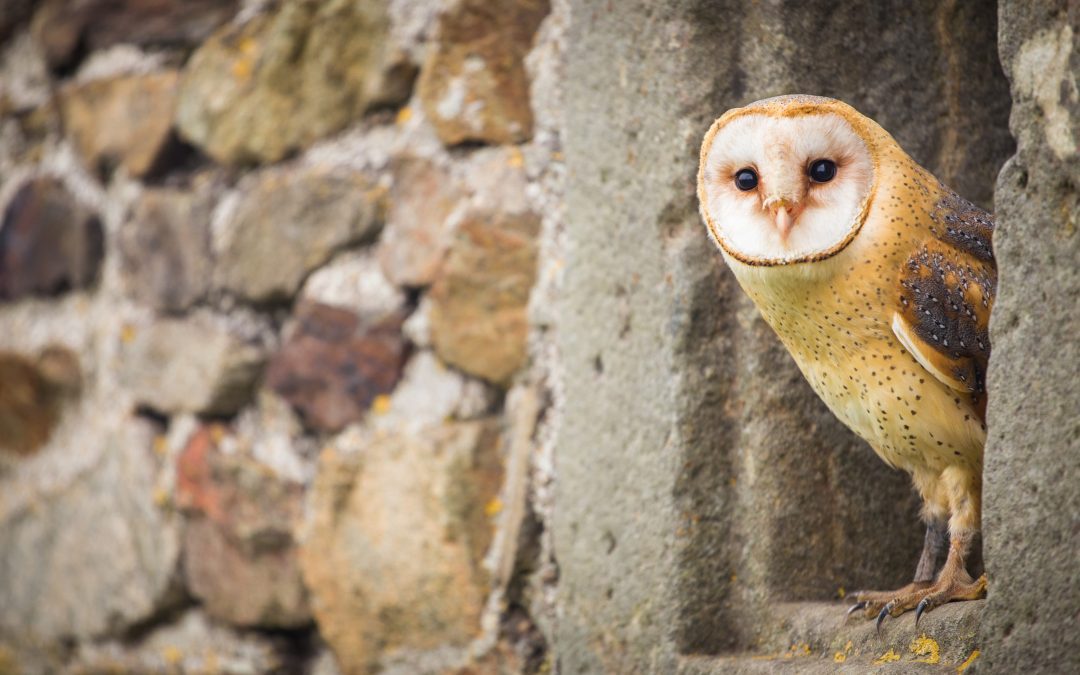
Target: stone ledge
point(818, 638)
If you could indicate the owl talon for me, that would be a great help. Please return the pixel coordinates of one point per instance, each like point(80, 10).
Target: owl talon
point(871, 602)
point(948, 591)
point(924, 605)
point(881, 617)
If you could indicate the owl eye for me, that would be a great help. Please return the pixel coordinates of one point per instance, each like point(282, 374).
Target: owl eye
point(822, 170)
point(745, 179)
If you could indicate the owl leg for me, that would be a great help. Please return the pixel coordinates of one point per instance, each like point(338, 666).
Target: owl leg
point(935, 544)
point(953, 582)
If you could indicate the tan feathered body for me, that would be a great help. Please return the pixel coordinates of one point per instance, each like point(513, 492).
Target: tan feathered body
point(862, 323)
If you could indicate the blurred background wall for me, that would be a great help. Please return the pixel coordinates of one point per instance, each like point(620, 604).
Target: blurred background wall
point(383, 336)
point(265, 271)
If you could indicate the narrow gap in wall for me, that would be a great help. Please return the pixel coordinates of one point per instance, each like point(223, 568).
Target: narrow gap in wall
point(751, 544)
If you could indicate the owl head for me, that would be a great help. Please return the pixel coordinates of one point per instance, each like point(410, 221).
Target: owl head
point(788, 179)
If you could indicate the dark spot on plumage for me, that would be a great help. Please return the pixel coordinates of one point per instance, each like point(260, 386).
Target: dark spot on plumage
point(967, 227)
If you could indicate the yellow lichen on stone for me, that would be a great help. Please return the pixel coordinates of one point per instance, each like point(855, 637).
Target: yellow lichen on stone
point(381, 404)
point(493, 507)
point(248, 47)
point(242, 68)
point(172, 655)
point(840, 657)
point(926, 647)
point(887, 657)
point(968, 661)
point(217, 433)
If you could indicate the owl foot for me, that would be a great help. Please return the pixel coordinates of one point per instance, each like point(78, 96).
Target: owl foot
point(923, 597)
point(872, 602)
point(956, 591)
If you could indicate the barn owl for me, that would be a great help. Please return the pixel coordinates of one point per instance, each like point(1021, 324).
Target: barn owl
point(879, 280)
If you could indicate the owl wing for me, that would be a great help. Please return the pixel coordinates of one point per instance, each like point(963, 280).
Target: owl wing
point(947, 289)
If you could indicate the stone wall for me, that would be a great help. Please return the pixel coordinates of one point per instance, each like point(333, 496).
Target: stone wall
point(265, 271)
point(745, 497)
point(1032, 502)
point(383, 336)
point(747, 493)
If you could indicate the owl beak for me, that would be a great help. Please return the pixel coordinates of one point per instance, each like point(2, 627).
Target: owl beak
point(785, 212)
point(784, 221)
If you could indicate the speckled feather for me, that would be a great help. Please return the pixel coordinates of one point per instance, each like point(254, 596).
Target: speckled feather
point(890, 325)
point(946, 295)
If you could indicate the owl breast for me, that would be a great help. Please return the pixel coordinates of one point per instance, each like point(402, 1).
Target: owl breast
point(838, 333)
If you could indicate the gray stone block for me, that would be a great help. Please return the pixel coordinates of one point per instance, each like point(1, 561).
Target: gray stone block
point(1031, 500)
point(701, 482)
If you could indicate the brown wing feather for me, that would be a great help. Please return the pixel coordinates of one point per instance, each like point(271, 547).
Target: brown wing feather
point(947, 290)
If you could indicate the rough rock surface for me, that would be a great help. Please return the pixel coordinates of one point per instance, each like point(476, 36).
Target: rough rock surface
point(478, 314)
point(474, 86)
point(123, 121)
point(65, 28)
point(819, 639)
point(27, 133)
point(355, 281)
point(193, 644)
point(49, 242)
point(239, 557)
point(431, 393)
point(165, 248)
point(1031, 501)
point(259, 91)
point(394, 549)
point(35, 391)
point(196, 365)
point(25, 82)
point(334, 366)
point(14, 13)
point(287, 222)
point(496, 180)
point(419, 222)
point(127, 547)
point(242, 157)
point(692, 456)
point(271, 433)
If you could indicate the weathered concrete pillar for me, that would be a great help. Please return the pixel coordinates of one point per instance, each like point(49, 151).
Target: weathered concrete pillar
point(701, 482)
point(1031, 516)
